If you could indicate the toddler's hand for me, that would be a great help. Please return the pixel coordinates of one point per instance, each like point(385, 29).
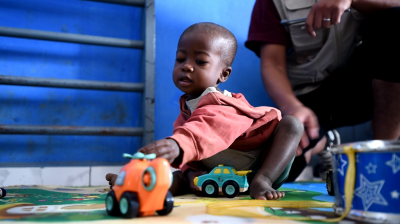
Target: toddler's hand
point(165, 148)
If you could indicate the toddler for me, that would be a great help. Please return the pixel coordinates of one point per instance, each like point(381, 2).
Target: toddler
point(219, 127)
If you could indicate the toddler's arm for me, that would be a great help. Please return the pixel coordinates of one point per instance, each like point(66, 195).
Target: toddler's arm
point(165, 148)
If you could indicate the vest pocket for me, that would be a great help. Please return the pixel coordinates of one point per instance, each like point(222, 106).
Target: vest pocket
point(303, 42)
point(300, 76)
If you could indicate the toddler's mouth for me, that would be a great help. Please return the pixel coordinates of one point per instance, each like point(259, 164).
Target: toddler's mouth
point(185, 79)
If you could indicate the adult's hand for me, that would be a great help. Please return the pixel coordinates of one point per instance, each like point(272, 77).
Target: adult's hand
point(165, 148)
point(310, 122)
point(325, 13)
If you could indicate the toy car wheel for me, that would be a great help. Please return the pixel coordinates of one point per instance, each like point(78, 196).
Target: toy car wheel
point(3, 192)
point(112, 206)
point(230, 189)
point(129, 205)
point(329, 183)
point(210, 188)
point(168, 205)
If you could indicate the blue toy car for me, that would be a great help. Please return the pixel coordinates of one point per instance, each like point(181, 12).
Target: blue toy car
point(225, 179)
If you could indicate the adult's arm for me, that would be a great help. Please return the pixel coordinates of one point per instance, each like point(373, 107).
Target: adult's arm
point(276, 82)
point(328, 12)
point(371, 6)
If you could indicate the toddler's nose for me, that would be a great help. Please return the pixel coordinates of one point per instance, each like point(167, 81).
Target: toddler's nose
point(187, 68)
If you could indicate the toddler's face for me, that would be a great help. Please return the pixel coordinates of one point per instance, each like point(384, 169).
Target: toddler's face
point(198, 63)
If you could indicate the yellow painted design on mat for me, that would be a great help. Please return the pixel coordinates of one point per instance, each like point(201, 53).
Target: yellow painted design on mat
point(7, 206)
point(198, 200)
point(12, 205)
point(232, 207)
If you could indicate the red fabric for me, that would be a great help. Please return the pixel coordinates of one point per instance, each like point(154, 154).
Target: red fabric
point(220, 122)
point(265, 27)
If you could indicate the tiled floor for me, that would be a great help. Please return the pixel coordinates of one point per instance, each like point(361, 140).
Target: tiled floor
point(75, 176)
point(306, 175)
point(98, 174)
point(58, 176)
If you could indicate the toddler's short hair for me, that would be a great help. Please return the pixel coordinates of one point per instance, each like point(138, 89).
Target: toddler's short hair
point(228, 49)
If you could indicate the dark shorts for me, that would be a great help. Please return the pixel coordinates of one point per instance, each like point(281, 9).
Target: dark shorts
point(345, 98)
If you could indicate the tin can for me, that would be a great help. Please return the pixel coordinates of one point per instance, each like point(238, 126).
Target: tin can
point(376, 196)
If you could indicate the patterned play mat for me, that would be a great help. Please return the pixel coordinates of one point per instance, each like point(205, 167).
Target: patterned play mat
point(66, 204)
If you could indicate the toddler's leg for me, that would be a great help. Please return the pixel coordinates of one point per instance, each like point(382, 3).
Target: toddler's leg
point(281, 149)
point(179, 185)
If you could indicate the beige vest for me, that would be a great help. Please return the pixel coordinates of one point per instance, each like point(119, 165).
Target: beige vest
point(314, 58)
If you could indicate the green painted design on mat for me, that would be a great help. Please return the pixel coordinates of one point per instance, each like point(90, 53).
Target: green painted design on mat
point(299, 195)
point(69, 217)
point(44, 197)
point(296, 195)
point(40, 197)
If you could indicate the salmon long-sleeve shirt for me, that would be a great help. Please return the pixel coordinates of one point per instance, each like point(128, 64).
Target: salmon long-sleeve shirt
point(220, 122)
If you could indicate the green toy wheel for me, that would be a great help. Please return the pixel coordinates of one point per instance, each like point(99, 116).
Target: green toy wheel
point(112, 204)
point(210, 188)
point(129, 205)
point(230, 189)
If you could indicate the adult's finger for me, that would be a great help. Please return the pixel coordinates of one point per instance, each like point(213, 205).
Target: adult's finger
point(312, 126)
point(327, 17)
point(310, 22)
point(318, 17)
point(304, 142)
point(299, 151)
point(336, 14)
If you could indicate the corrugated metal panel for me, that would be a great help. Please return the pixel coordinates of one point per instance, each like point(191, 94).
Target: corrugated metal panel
point(69, 107)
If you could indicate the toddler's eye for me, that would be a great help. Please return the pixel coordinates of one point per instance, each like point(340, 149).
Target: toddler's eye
point(200, 62)
point(180, 60)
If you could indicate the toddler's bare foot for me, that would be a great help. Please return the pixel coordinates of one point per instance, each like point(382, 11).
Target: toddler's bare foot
point(260, 188)
point(111, 179)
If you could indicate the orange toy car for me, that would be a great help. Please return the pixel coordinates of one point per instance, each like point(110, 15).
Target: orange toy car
point(141, 188)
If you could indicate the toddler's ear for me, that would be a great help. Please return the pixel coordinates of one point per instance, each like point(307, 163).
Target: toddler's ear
point(226, 72)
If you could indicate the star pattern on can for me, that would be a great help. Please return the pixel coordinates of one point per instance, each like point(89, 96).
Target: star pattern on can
point(341, 163)
point(370, 192)
point(376, 187)
point(394, 194)
point(371, 168)
point(394, 163)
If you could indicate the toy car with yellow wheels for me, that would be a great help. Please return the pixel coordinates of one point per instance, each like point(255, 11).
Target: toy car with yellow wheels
point(225, 179)
point(141, 188)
